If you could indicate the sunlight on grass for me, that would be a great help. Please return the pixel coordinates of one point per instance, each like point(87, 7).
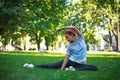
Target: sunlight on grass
point(51, 54)
point(33, 54)
point(103, 54)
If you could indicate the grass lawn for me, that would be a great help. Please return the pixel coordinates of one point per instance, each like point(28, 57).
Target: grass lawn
point(11, 66)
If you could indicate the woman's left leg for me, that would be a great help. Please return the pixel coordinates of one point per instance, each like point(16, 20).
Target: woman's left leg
point(56, 64)
point(87, 67)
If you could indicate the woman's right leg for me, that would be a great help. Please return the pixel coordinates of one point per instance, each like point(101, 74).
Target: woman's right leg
point(56, 64)
point(50, 65)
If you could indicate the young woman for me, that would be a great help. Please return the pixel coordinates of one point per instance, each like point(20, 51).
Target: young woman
point(75, 54)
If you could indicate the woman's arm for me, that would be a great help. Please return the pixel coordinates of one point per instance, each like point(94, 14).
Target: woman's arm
point(65, 62)
point(72, 28)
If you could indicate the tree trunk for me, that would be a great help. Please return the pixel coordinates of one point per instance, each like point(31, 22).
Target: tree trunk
point(110, 38)
point(38, 45)
point(46, 43)
point(116, 38)
point(24, 43)
point(114, 31)
point(110, 41)
point(37, 40)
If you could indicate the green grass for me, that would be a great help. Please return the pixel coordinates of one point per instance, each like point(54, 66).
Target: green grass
point(11, 66)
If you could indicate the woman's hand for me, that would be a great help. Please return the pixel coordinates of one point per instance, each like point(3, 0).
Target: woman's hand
point(65, 62)
point(58, 30)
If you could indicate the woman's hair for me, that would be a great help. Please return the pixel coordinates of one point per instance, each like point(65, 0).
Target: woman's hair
point(69, 32)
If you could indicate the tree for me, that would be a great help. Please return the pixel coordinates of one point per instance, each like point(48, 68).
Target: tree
point(80, 15)
point(97, 13)
point(12, 16)
point(44, 17)
point(109, 10)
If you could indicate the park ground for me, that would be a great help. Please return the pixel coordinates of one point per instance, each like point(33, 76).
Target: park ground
point(11, 66)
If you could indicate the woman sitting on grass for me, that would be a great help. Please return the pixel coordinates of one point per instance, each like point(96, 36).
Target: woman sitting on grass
point(75, 58)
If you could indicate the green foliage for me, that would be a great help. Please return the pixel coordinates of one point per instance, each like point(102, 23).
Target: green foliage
point(44, 17)
point(40, 18)
point(80, 15)
point(11, 17)
point(88, 15)
point(109, 10)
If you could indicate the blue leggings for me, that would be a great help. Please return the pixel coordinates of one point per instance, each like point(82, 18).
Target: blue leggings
point(77, 66)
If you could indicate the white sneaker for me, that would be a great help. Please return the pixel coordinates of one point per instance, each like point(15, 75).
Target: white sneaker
point(26, 65)
point(31, 66)
point(71, 68)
